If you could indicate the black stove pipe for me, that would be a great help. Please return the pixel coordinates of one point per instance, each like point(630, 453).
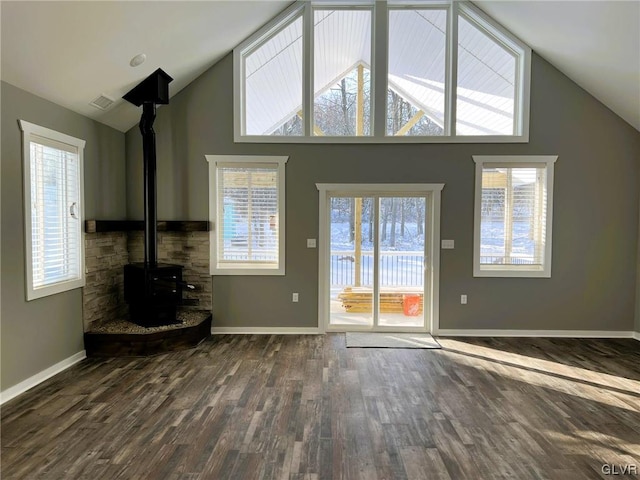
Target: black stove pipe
point(150, 192)
point(152, 91)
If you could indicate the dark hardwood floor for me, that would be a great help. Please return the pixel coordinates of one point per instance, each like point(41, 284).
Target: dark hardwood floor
point(306, 407)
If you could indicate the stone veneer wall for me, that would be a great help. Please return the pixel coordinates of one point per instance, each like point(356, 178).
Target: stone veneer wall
point(106, 255)
point(190, 249)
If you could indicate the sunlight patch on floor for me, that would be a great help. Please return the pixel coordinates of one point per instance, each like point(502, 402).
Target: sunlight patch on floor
point(577, 381)
point(612, 446)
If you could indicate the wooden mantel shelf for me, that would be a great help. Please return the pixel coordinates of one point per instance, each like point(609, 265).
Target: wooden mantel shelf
point(98, 226)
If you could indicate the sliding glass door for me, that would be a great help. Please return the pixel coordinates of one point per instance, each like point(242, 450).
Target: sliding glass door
point(377, 264)
point(401, 262)
point(351, 271)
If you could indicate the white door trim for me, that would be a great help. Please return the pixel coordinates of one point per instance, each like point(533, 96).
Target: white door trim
point(432, 190)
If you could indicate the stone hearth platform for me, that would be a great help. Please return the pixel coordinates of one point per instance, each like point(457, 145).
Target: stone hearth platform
point(122, 338)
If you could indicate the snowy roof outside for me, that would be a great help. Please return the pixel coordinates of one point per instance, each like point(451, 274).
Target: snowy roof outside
point(497, 177)
point(417, 55)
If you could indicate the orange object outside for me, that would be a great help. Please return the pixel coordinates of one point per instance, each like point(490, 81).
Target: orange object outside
point(411, 305)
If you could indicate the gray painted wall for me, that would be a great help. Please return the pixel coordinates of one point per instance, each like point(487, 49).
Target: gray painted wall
point(595, 213)
point(42, 332)
point(637, 313)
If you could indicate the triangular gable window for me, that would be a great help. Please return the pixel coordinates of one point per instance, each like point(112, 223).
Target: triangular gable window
point(315, 75)
point(273, 82)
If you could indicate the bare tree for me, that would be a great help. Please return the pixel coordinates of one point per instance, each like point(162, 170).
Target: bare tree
point(402, 212)
point(289, 128)
point(401, 111)
point(352, 219)
point(384, 213)
point(368, 208)
point(420, 216)
point(394, 216)
point(345, 106)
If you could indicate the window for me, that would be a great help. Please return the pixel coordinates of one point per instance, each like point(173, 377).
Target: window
point(342, 60)
point(433, 71)
point(486, 81)
point(247, 214)
point(53, 198)
point(513, 216)
point(417, 46)
point(269, 90)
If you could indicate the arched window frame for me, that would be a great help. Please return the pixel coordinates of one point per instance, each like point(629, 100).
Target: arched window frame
point(379, 65)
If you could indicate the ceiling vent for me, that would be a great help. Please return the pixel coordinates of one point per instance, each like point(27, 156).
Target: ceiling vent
point(102, 102)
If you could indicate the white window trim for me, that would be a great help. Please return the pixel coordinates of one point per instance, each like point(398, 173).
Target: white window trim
point(379, 65)
point(239, 269)
point(546, 161)
point(30, 130)
point(432, 246)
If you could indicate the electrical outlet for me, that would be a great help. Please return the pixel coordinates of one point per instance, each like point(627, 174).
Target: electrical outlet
point(463, 299)
point(294, 297)
point(311, 243)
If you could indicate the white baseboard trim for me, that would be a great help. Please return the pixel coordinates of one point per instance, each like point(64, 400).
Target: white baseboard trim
point(454, 332)
point(444, 332)
point(38, 378)
point(265, 330)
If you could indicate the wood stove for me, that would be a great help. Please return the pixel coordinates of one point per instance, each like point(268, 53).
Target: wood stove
point(153, 293)
point(152, 290)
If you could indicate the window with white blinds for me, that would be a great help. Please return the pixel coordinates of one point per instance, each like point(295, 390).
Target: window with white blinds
point(513, 216)
point(53, 191)
point(247, 214)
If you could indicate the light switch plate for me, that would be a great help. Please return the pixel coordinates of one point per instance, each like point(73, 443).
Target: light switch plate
point(448, 244)
point(311, 243)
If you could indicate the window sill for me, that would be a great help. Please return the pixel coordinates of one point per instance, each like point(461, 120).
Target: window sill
point(247, 271)
point(53, 289)
point(382, 140)
point(506, 272)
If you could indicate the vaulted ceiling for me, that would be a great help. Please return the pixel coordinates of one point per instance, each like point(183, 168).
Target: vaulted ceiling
point(595, 43)
point(72, 52)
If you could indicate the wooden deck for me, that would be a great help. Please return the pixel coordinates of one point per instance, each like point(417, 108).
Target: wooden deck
point(392, 300)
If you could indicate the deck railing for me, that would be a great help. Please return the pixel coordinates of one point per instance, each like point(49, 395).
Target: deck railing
point(396, 268)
